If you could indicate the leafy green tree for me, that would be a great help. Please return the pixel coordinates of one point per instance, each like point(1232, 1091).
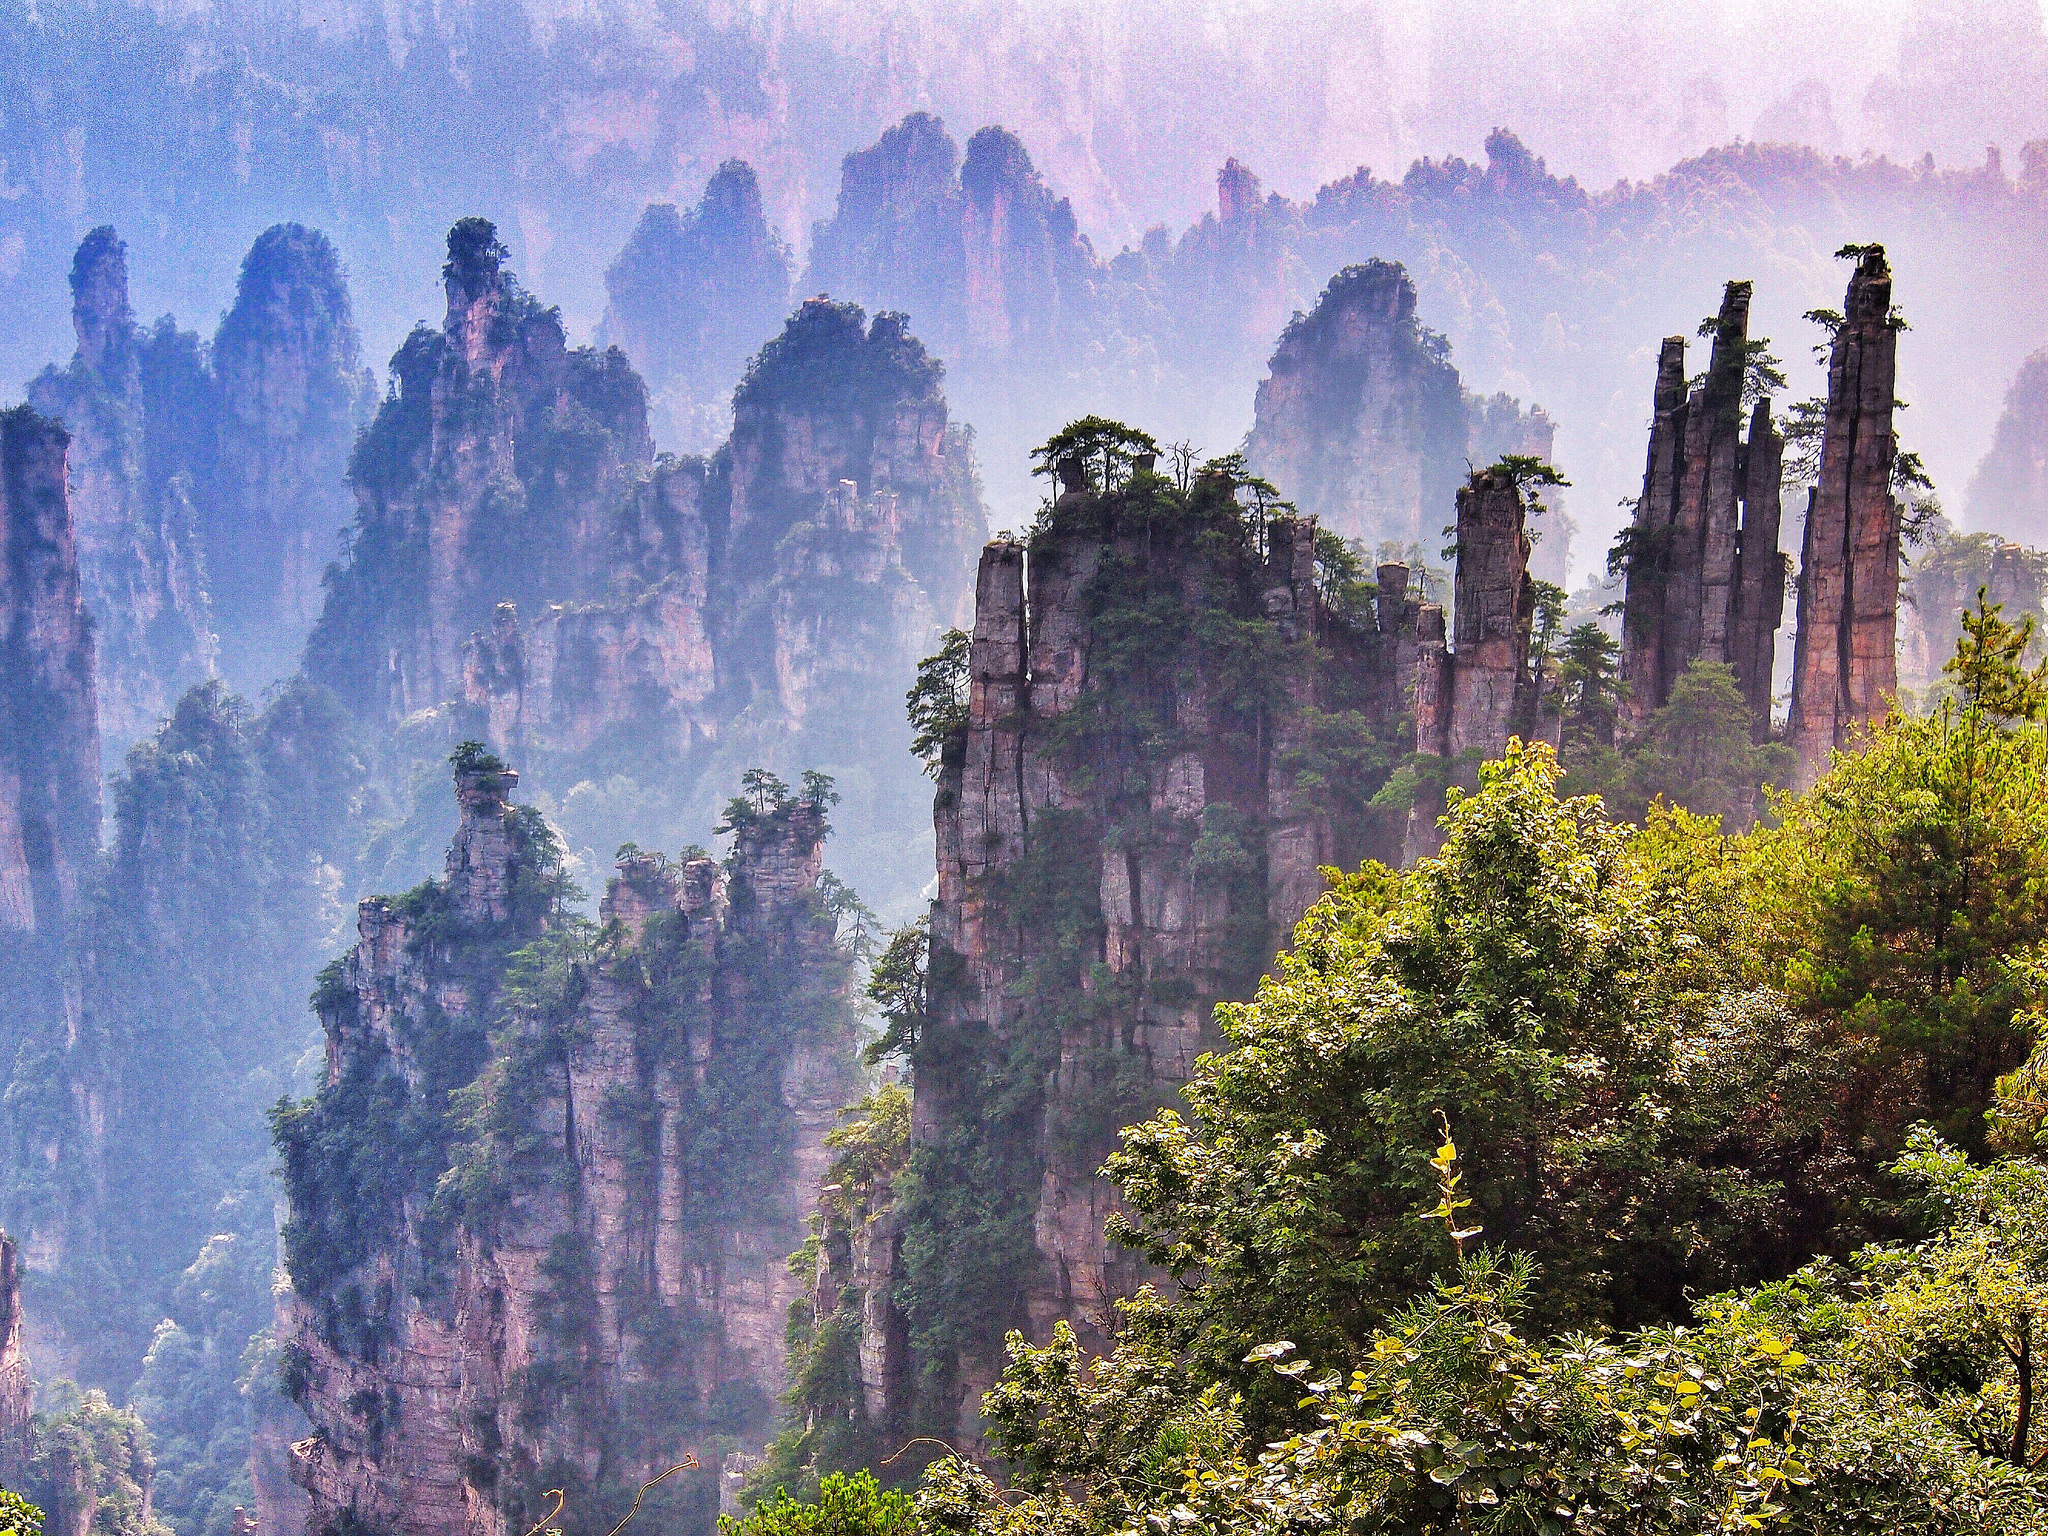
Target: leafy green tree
point(1108, 451)
point(1894, 1395)
point(18, 1517)
point(846, 1505)
point(1341, 578)
point(1698, 753)
point(1904, 895)
point(1547, 981)
point(1588, 688)
point(937, 702)
point(898, 988)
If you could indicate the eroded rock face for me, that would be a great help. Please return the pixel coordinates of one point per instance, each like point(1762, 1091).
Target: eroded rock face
point(587, 1280)
point(1362, 417)
point(1706, 580)
point(2008, 494)
point(1845, 657)
point(691, 297)
point(1475, 692)
point(1122, 839)
point(634, 674)
point(293, 391)
point(139, 408)
point(49, 731)
point(496, 474)
point(593, 611)
point(835, 398)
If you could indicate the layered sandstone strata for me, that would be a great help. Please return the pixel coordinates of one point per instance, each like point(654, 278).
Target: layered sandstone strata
point(1706, 581)
point(585, 1281)
point(1845, 655)
point(49, 732)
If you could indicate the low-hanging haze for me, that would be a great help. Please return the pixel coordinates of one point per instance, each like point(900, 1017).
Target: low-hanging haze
point(192, 127)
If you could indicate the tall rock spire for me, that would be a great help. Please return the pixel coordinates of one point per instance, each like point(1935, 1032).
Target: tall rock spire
point(1845, 661)
point(49, 733)
point(1705, 580)
point(1472, 694)
point(293, 392)
point(138, 408)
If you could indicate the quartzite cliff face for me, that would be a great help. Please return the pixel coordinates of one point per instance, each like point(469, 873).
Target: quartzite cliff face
point(206, 482)
point(691, 297)
point(1123, 836)
point(1363, 420)
point(1468, 698)
point(1706, 581)
point(495, 473)
point(577, 1274)
point(49, 733)
point(1845, 655)
point(292, 393)
point(526, 570)
point(138, 406)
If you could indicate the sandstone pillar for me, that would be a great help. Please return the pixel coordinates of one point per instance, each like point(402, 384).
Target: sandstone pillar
point(1845, 664)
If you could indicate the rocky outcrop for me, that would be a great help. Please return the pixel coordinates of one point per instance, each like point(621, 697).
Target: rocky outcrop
point(1124, 834)
point(1845, 660)
point(293, 392)
point(49, 731)
point(1705, 578)
point(2008, 494)
point(1362, 417)
point(1471, 695)
point(17, 1389)
point(577, 1275)
point(518, 552)
point(139, 408)
point(1498, 427)
point(843, 468)
point(691, 297)
point(632, 676)
point(495, 473)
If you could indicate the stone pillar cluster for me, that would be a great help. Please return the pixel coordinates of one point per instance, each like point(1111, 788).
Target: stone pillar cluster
point(1705, 578)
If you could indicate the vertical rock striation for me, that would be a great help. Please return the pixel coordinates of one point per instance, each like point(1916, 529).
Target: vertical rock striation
point(1362, 417)
point(1705, 578)
point(838, 401)
point(495, 473)
point(293, 392)
point(631, 677)
point(1845, 656)
point(582, 1278)
point(49, 730)
point(139, 408)
point(1471, 695)
point(1123, 836)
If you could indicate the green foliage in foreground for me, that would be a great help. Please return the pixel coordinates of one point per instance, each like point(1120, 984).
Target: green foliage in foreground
point(845, 1506)
point(1894, 1395)
point(1755, 1069)
point(18, 1517)
point(1648, 1120)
